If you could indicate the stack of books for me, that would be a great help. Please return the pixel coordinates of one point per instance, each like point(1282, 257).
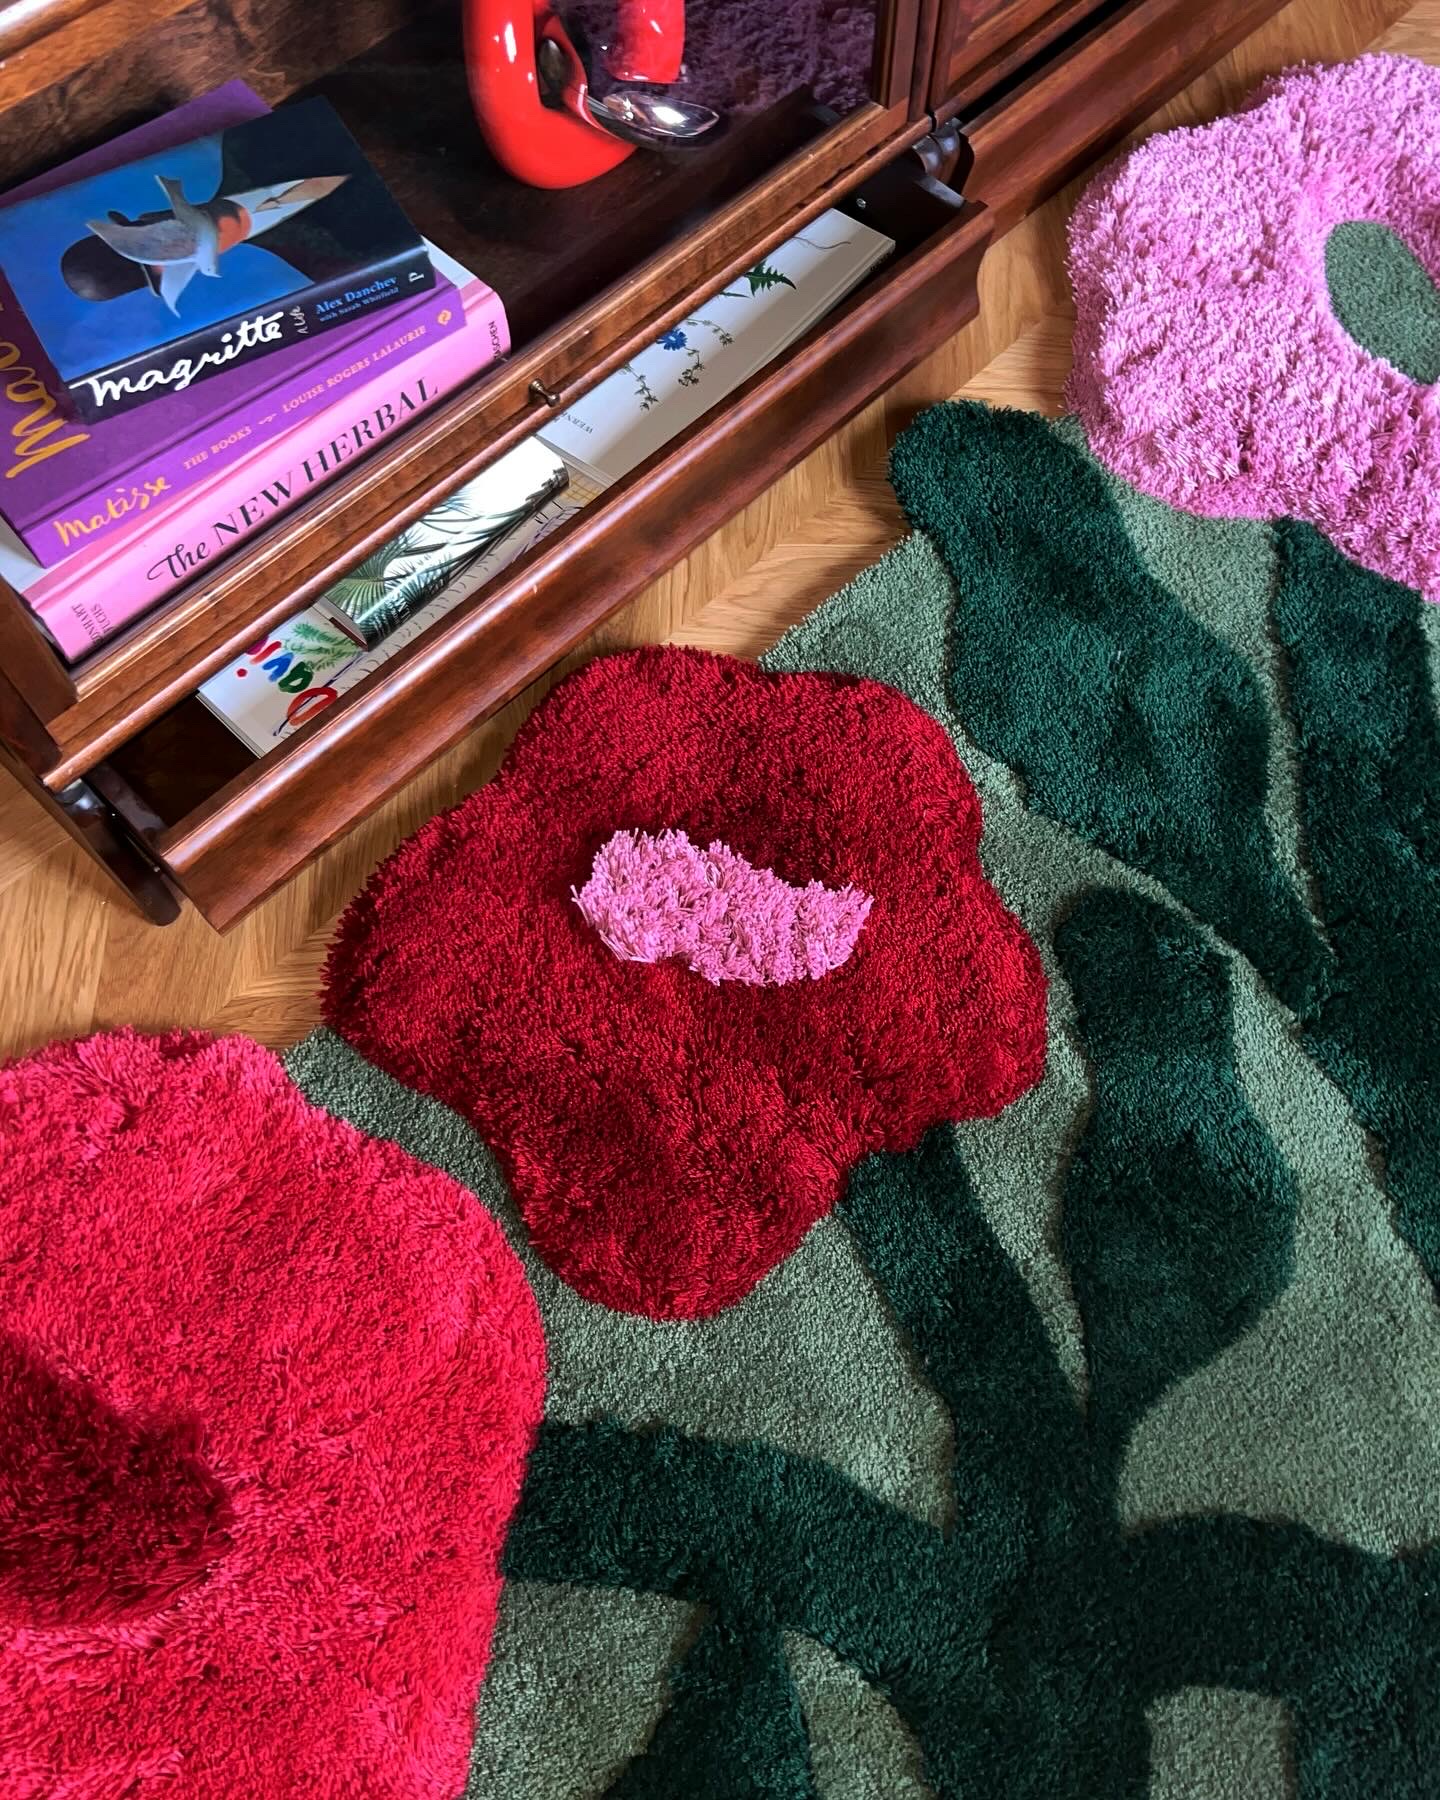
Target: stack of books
point(202, 322)
point(291, 675)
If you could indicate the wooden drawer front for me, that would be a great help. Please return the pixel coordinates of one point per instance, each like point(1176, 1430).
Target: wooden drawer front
point(1036, 134)
point(260, 828)
point(980, 42)
point(588, 275)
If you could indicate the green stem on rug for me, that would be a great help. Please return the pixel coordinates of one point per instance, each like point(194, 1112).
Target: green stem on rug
point(1349, 1640)
point(1179, 1220)
point(1370, 805)
point(733, 1730)
point(1023, 1646)
point(741, 1527)
point(1128, 720)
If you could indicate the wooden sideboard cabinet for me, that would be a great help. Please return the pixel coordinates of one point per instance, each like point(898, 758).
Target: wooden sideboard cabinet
point(972, 112)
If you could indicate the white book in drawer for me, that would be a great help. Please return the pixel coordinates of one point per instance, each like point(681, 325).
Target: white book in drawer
point(759, 314)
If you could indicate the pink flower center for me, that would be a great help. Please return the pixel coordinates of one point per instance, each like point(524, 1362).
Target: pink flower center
point(653, 898)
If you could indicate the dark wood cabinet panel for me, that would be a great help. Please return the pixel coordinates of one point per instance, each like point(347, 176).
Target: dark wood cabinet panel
point(1029, 90)
point(1062, 113)
point(981, 42)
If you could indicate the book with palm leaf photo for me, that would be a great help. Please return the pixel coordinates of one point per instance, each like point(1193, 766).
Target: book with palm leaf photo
point(297, 670)
point(395, 581)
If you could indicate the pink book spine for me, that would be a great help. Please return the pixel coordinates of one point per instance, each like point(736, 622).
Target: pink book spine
point(87, 598)
point(197, 435)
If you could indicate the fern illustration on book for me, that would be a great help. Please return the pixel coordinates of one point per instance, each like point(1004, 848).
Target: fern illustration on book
point(395, 581)
point(762, 275)
point(729, 337)
point(316, 648)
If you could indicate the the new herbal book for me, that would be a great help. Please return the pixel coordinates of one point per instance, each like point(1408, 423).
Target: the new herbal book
point(103, 585)
point(145, 279)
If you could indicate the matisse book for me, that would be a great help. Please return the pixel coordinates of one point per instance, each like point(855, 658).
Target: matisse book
point(148, 278)
point(64, 484)
point(84, 600)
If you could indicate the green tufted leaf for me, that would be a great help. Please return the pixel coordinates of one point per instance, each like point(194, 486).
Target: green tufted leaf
point(1370, 799)
point(1128, 720)
point(733, 1730)
point(974, 1331)
point(1179, 1220)
point(1380, 292)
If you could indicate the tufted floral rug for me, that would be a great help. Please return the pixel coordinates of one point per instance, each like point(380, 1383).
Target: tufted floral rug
point(862, 1228)
point(983, 1276)
point(984, 1279)
point(1088, 1444)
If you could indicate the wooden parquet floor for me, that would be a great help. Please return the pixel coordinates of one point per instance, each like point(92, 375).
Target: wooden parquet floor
point(74, 958)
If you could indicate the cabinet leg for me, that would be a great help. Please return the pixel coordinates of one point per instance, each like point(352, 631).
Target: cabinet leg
point(96, 827)
point(94, 823)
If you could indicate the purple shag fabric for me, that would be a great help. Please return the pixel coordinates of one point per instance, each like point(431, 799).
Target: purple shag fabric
point(742, 56)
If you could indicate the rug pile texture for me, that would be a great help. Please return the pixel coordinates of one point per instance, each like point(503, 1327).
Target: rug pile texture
point(1258, 323)
point(861, 1228)
point(1090, 1449)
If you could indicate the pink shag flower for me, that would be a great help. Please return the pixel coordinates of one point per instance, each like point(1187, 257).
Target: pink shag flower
point(1210, 369)
point(657, 897)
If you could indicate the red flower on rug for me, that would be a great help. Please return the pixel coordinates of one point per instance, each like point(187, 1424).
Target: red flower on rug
point(671, 1138)
point(267, 1388)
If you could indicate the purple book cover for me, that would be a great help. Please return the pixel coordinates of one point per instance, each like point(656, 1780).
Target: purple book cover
point(64, 483)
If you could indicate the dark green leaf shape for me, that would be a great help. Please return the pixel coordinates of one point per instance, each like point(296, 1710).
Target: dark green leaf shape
point(1179, 1224)
point(1128, 720)
point(1350, 1641)
point(1038, 1693)
point(1022, 1647)
point(740, 1527)
point(733, 1730)
point(1370, 805)
point(979, 1342)
point(1382, 295)
point(762, 275)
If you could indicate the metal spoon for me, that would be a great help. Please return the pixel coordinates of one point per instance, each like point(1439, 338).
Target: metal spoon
point(637, 114)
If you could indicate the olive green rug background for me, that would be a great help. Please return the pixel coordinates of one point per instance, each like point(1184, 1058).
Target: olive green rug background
point(1092, 1451)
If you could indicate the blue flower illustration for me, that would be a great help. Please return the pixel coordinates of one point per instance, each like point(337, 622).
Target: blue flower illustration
point(674, 339)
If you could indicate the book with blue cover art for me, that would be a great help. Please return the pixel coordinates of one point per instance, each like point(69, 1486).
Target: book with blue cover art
point(145, 279)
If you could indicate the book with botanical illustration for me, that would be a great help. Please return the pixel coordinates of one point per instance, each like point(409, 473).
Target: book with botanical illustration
point(730, 335)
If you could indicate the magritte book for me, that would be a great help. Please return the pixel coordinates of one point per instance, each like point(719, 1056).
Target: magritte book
point(145, 279)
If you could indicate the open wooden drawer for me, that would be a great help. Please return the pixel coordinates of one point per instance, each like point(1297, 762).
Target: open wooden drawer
point(236, 842)
point(1091, 70)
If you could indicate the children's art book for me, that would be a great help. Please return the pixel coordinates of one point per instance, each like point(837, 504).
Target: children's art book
point(297, 670)
point(147, 278)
